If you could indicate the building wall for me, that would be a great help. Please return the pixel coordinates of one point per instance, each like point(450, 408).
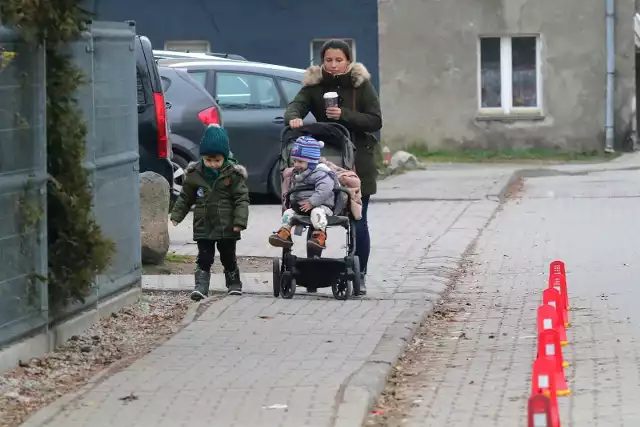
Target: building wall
point(429, 72)
point(276, 31)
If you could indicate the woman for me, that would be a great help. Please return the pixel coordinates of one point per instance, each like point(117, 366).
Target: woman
point(358, 111)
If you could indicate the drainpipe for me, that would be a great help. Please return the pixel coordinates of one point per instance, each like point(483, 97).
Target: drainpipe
point(611, 71)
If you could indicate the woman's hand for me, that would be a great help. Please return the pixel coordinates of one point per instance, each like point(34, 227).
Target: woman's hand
point(295, 123)
point(334, 113)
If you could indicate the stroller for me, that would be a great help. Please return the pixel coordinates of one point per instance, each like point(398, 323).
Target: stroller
point(342, 274)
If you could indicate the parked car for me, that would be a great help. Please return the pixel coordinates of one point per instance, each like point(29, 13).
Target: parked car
point(153, 133)
point(253, 97)
point(190, 109)
point(170, 54)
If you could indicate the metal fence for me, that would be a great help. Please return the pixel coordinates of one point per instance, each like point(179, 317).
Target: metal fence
point(106, 55)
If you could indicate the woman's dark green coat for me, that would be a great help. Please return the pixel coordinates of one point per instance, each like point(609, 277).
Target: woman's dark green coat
point(360, 112)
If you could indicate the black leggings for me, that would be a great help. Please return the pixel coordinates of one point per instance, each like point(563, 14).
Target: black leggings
point(207, 251)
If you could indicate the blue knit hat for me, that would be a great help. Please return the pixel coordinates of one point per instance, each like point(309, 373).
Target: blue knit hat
point(307, 149)
point(214, 141)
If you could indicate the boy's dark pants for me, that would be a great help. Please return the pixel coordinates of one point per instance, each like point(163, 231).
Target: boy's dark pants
point(207, 251)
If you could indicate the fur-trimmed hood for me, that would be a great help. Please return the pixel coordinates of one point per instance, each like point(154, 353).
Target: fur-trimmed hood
point(236, 167)
point(359, 74)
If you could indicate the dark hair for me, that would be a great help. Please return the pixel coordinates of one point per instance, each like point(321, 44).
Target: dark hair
point(336, 44)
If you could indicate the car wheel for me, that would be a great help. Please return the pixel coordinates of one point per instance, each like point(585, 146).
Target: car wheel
point(275, 181)
point(179, 171)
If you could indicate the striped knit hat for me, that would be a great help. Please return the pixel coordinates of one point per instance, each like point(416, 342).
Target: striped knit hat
point(307, 149)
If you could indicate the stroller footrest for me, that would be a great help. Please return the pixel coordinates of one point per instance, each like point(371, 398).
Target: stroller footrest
point(332, 221)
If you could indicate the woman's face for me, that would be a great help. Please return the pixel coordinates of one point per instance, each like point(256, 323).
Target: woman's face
point(335, 61)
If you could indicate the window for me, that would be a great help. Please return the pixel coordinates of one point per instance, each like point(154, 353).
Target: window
point(199, 76)
point(509, 75)
point(316, 45)
point(197, 46)
point(244, 90)
point(291, 88)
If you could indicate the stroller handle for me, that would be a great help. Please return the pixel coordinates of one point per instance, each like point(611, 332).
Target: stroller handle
point(338, 126)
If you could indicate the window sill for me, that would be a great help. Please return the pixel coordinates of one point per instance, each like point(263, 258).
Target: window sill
point(497, 115)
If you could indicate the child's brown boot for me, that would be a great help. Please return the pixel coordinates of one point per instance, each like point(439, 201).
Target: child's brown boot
point(317, 240)
point(281, 239)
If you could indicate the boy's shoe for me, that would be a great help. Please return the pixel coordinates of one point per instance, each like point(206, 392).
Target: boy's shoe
point(317, 240)
point(202, 279)
point(281, 239)
point(232, 279)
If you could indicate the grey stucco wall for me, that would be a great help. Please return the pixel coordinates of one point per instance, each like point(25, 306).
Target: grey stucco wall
point(429, 60)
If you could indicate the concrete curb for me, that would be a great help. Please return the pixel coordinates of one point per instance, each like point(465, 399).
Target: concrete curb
point(361, 391)
point(365, 386)
point(45, 415)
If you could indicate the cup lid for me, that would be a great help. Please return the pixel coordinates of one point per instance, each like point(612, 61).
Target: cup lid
point(331, 95)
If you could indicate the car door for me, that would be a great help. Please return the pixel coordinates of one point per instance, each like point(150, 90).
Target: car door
point(290, 88)
point(253, 112)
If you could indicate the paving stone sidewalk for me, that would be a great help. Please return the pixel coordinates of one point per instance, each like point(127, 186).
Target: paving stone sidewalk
point(478, 372)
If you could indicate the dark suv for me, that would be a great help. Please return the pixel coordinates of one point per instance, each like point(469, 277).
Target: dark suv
point(153, 131)
point(190, 109)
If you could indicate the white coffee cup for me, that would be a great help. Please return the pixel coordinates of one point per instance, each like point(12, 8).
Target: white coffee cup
point(330, 99)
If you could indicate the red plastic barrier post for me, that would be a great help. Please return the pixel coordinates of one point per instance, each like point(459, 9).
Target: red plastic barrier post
point(548, 319)
point(549, 349)
point(558, 267)
point(540, 413)
point(559, 281)
point(552, 297)
point(543, 382)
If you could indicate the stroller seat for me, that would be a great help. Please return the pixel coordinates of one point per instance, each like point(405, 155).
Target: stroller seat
point(332, 221)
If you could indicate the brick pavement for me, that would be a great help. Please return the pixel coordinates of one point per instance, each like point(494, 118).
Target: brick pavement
point(322, 358)
point(477, 371)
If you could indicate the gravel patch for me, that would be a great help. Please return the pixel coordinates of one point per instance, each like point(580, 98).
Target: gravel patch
point(129, 334)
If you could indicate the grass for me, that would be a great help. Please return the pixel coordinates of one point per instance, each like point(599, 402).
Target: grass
point(509, 155)
point(179, 259)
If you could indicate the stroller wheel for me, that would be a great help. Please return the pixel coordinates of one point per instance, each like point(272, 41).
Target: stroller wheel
point(276, 277)
point(342, 290)
point(287, 285)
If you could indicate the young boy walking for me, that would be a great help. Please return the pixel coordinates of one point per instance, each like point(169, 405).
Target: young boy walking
point(216, 186)
point(318, 202)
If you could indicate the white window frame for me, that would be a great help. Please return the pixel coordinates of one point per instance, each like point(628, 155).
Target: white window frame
point(506, 82)
point(346, 39)
point(193, 46)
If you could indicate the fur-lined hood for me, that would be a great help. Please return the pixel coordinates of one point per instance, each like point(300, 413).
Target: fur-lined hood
point(359, 74)
point(236, 167)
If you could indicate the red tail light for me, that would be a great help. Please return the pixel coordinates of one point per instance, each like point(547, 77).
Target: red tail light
point(210, 116)
point(161, 119)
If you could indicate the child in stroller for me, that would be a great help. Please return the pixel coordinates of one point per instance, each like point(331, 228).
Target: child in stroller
point(318, 201)
point(331, 199)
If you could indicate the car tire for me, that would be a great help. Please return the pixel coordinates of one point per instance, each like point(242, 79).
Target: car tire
point(180, 161)
point(275, 181)
point(180, 166)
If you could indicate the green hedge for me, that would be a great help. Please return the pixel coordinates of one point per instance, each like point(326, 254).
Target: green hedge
point(78, 251)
